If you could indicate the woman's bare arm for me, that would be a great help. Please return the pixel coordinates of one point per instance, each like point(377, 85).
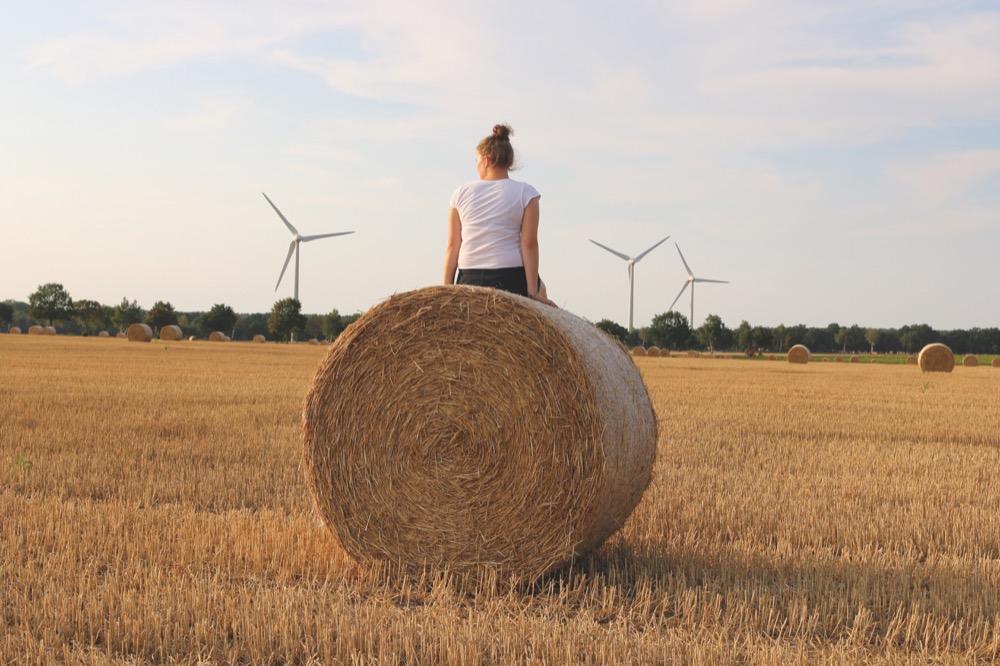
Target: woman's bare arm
point(529, 249)
point(454, 244)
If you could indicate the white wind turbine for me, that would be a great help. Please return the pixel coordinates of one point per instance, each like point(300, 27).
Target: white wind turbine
point(631, 262)
point(293, 247)
point(691, 280)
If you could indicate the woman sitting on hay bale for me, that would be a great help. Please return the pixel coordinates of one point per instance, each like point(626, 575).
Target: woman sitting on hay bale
point(493, 225)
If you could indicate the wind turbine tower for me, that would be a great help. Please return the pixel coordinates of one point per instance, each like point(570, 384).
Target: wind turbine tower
point(293, 247)
point(691, 281)
point(630, 263)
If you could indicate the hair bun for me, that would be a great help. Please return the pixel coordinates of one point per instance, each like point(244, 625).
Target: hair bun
point(502, 132)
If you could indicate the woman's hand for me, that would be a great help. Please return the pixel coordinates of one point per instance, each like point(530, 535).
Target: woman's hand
point(542, 299)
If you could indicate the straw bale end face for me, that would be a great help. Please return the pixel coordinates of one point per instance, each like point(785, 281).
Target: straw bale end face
point(970, 361)
point(139, 333)
point(216, 336)
point(171, 332)
point(638, 351)
point(103, 334)
point(652, 350)
point(492, 434)
point(798, 354)
point(259, 339)
point(936, 357)
point(14, 330)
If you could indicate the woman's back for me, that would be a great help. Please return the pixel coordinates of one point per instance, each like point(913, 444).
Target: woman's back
point(491, 212)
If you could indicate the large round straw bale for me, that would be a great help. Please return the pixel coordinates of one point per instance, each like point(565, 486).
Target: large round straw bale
point(970, 361)
point(798, 354)
point(139, 333)
point(36, 330)
point(652, 350)
point(494, 433)
point(216, 336)
point(996, 361)
point(638, 351)
point(14, 330)
point(50, 330)
point(911, 360)
point(936, 357)
point(103, 334)
point(259, 338)
point(171, 332)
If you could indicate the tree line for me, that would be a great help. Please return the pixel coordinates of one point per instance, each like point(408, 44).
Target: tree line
point(671, 330)
point(51, 304)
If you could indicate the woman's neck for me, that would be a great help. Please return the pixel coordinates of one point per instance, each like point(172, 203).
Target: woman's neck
point(495, 174)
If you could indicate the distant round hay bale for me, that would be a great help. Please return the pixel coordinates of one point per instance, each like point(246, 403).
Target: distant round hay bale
point(50, 330)
point(970, 361)
point(911, 360)
point(936, 357)
point(226, 338)
point(652, 350)
point(14, 330)
point(171, 332)
point(313, 341)
point(36, 330)
point(509, 436)
point(216, 336)
point(638, 351)
point(798, 354)
point(192, 338)
point(103, 334)
point(139, 333)
point(855, 359)
point(996, 362)
point(259, 338)
point(664, 353)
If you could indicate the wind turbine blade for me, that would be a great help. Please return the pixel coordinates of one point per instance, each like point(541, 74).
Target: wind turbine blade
point(614, 252)
point(679, 294)
point(650, 250)
point(283, 218)
point(686, 267)
point(715, 281)
point(291, 251)
point(306, 239)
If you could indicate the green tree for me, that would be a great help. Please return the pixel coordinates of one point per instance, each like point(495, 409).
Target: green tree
point(285, 319)
point(333, 324)
point(220, 318)
point(872, 336)
point(314, 326)
point(6, 314)
point(712, 331)
point(760, 337)
point(161, 314)
point(50, 302)
point(89, 315)
point(127, 313)
point(613, 329)
point(743, 339)
point(669, 330)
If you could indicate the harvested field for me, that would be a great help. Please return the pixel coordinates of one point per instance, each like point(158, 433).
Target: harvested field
point(153, 506)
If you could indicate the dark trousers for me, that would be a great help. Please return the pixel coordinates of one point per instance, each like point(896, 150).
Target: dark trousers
point(507, 279)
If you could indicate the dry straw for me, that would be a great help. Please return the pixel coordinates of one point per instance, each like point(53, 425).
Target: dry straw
point(936, 357)
point(494, 435)
point(798, 354)
point(50, 330)
point(139, 333)
point(14, 330)
point(217, 336)
point(226, 338)
point(259, 338)
point(36, 330)
point(171, 332)
point(970, 361)
point(104, 334)
point(313, 341)
point(996, 361)
point(652, 350)
point(638, 351)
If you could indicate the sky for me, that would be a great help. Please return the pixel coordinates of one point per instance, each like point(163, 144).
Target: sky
point(834, 161)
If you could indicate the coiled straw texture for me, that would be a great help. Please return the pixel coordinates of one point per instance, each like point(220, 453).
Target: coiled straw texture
point(473, 430)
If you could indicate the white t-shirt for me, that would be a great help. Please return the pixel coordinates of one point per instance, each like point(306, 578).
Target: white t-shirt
point(491, 212)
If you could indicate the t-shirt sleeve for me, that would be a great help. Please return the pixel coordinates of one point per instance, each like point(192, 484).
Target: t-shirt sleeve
point(453, 202)
point(527, 194)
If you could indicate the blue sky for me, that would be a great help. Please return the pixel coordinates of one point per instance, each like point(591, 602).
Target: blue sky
point(837, 163)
